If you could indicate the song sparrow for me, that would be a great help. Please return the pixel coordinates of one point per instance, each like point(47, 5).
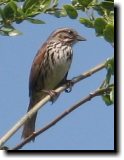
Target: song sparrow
point(50, 68)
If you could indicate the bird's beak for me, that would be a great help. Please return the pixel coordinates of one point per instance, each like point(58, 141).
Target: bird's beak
point(80, 38)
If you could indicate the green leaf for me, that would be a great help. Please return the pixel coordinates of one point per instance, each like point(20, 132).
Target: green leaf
point(7, 28)
point(28, 3)
point(111, 18)
point(35, 21)
point(108, 76)
point(32, 10)
point(107, 100)
point(76, 5)
point(10, 10)
point(88, 23)
point(15, 32)
point(44, 4)
point(110, 71)
point(108, 5)
point(9, 31)
point(99, 25)
point(74, 2)
point(112, 95)
point(99, 10)
point(20, 16)
point(71, 11)
point(84, 3)
point(109, 33)
point(60, 13)
point(3, 33)
point(110, 65)
point(33, 6)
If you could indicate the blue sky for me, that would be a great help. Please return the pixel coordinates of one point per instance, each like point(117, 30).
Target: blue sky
point(91, 126)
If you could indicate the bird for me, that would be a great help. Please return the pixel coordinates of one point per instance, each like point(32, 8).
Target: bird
point(49, 69)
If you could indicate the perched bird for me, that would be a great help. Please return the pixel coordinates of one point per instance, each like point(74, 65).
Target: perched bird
point(50, 68)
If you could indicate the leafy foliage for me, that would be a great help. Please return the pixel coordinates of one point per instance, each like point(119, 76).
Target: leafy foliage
point(88, 23)
point(99, 14)
point(109, 97)
point(19, 10)
point(109, 33)
point(71, 12)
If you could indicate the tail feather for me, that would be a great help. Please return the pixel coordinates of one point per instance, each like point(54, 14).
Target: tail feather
point(29, 126)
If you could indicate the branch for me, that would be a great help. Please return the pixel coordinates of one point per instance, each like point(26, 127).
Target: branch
point(61, 116)
point(45, 100)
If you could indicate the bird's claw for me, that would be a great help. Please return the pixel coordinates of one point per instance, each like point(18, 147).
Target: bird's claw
point(54, 95)
point(69, 84)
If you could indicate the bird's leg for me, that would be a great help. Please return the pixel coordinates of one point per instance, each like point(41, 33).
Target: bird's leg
point(54, 95)
point(69, 84)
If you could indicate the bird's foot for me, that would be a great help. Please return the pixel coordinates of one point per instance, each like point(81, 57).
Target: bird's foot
point(69, 84)
point(54, 95)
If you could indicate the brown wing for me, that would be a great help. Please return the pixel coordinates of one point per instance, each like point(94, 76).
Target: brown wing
point(36, 69)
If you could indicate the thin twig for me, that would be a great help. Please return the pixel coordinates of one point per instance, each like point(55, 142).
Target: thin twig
point(61, 116)
point(45, 100)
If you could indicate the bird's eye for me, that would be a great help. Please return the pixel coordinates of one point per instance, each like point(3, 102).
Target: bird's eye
point(70, 32)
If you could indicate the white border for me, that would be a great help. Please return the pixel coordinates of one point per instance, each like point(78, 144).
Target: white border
point(120, 155)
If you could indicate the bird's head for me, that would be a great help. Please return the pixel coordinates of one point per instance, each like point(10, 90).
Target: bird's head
point(66, 35)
